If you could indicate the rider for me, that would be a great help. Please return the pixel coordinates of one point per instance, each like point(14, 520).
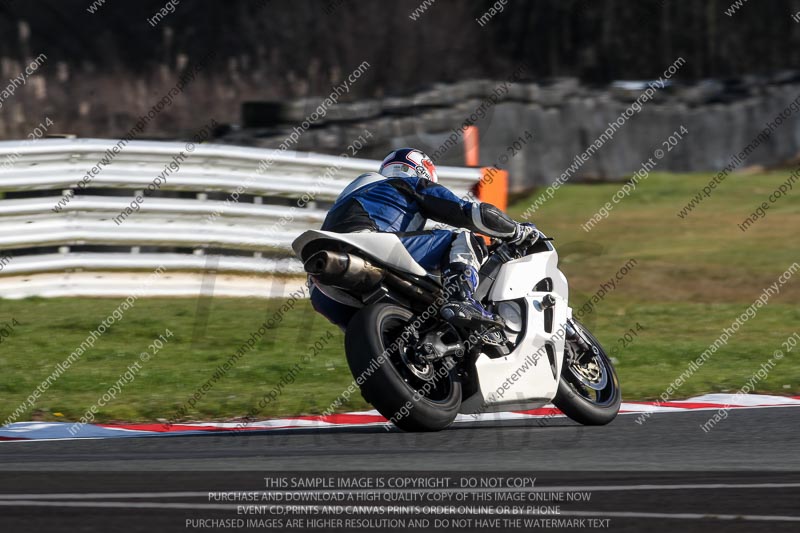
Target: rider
point(399, 200)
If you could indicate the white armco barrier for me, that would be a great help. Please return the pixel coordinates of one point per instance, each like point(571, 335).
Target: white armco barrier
point(226, 209)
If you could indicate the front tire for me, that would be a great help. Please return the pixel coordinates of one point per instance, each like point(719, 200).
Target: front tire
point(403, 392)
point(588, 393)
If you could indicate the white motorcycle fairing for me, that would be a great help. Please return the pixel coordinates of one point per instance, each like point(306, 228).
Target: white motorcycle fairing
point(527, 377)
point(385, 248)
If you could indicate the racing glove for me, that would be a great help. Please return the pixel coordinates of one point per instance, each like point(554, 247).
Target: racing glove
point(525, 234)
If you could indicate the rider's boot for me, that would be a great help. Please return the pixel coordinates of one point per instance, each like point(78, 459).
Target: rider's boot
point(462, 309)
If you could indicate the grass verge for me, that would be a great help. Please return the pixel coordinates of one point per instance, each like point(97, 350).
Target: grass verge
point(691, 278)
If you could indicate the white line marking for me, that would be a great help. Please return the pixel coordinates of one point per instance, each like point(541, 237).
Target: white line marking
point(119, 505)
point(682, 516)
point(592, 488)
point(106, 495)
point(264, 430)
point(592, 514)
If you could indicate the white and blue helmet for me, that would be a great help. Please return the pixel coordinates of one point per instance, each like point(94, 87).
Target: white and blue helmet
point(409, 163)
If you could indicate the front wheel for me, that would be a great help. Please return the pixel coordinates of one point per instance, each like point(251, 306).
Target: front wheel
point(415, 397)
point(588, 391)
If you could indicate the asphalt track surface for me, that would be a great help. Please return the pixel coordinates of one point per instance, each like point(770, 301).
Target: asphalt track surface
point(666, 474)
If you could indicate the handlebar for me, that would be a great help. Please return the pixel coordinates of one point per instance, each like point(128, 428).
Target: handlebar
point(512, 251)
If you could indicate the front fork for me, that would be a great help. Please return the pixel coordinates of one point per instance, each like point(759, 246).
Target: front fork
point(585, 349)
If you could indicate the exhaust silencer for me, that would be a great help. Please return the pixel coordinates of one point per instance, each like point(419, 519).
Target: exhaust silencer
point(342, 270)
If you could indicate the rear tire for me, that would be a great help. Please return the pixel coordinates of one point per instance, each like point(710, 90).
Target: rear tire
point(389, 383)
point(582, 403)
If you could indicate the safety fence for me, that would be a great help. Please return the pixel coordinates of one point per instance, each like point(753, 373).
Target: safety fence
point(91, 216)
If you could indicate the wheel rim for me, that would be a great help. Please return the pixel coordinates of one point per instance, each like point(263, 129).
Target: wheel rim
point(430, 380)
point(593, 379)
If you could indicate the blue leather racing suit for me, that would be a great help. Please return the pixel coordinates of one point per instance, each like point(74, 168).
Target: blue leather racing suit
point(402, 206)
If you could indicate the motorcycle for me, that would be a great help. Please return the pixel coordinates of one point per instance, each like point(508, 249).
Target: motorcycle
point(420, 371)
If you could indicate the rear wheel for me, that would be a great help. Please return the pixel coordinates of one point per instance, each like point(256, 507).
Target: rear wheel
point(588, 391)
point(415, 397)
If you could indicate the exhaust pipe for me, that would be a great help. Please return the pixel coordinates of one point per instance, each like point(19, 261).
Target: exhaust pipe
point(342, 270)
